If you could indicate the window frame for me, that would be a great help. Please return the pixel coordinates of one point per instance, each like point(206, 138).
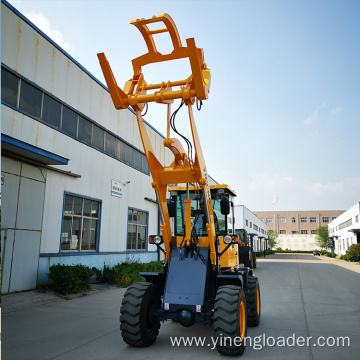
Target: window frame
point(81, 217)
point(146, 233)
point(17, 94)
point(21, 90)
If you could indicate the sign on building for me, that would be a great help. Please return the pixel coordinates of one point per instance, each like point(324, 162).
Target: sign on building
point(116, 188)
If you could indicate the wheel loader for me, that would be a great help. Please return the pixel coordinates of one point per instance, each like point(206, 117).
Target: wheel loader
point(247, 255)
point(201, 279)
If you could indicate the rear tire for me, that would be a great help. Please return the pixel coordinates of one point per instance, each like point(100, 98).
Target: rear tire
point(253, 301)
point(137, 324)
point(254, 261)
point(249, 263)
point(230, 320)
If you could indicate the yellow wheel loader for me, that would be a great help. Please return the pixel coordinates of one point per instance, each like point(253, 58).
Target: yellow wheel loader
point(247, 255)
point(202, 280)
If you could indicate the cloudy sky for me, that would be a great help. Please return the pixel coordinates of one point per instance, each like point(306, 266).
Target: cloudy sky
point(282, 122)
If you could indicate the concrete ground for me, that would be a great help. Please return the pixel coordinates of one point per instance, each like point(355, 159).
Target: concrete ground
point(302, 297)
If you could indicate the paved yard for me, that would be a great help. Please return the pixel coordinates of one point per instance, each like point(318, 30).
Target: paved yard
point(302, 297)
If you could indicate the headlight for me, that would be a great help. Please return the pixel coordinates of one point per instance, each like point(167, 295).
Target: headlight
point(227, 239)
point(157, 240)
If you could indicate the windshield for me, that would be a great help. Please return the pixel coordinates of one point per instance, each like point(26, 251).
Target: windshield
point(241, 235)
point(198, 215)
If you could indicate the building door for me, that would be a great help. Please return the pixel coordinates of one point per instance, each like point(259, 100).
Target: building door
point(23, 194)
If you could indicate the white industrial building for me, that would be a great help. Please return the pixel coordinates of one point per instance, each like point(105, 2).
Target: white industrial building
point(76, 185)
point(345, 229)
point(245, 219)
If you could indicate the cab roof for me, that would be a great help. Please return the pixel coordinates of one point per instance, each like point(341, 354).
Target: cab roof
point(212, 187)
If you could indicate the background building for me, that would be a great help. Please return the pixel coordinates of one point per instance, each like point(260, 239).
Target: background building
point(345, 229)
point(245, 219)
point(297, 229)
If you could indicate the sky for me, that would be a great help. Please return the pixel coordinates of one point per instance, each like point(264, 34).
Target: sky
point(282, 122)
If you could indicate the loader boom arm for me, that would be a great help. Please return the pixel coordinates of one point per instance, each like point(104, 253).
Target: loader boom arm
point(137, 92)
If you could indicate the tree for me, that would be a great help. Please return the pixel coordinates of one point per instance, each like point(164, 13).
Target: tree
point(322, 238)
point(272, 236)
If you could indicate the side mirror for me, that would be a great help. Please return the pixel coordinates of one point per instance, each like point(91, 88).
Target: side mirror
point(225, 206)
point(171, 208)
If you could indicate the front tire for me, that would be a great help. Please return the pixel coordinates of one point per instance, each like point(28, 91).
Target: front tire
point(253, 301)
point(230, 320)
point(138, 325)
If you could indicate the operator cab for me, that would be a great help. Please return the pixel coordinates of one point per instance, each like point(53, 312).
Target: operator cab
point(243, 236)
point(222, 198)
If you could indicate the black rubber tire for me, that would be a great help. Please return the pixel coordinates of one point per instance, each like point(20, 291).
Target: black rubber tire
point(254, 261)
point(248, 264)
point(253, 311)
point(227, 320)
point(137, 325)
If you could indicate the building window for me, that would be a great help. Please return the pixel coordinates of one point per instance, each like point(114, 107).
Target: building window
point(294, 232)
point(325, 219)
point(303, 219)
point(293, 220)
point(345, 224)
point(313, 231)
point(111, 145)
point(282, 220)
point(9, 87)
point(85, 129)
point(51, 112)
point(35, 102)
point(250, 224)
point(304, 231)
point(137, 230)
point(144, 165)
point(313, 219)
point(129, 155)
point(282, 232)
point(30, 99)
point(80, 230)
point(137, 160)
point(69, 121)
point(333, 218)
point(357, 218)
point(269, 220)
point(98, 138)
point(247, 222)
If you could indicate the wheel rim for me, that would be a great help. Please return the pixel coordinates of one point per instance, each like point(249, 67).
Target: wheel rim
point(258, 301)
point(242, 320)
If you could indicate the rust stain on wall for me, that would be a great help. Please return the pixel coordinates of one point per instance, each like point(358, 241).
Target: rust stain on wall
point(18, 35)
